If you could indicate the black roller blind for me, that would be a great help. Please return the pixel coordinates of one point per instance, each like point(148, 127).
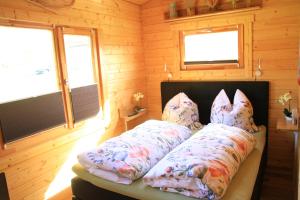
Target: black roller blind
point(85, 102)
point(25, 117)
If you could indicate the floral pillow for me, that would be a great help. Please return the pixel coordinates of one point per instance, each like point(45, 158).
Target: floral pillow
point(240, 114)
point(182, 110)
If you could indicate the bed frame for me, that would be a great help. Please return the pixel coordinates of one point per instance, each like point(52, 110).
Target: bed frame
point(203, 94)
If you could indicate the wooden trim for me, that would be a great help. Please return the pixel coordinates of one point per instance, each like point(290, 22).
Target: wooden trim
point(2, 145)
point(33, 24)
point(211, 30)
point(94, 57)
point(26, 24)
point(76, 31)
point(296, 164)
point(211, 62)
point(215, 65)
point(97, 64)
point(64, 77)
point(182, 50)
point(235, 11)
point(6, 152)
point(211, 66)
point(3, 150)
point(241, 45)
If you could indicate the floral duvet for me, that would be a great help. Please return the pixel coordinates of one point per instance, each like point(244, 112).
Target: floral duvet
point(129, 156)
point(204, 165)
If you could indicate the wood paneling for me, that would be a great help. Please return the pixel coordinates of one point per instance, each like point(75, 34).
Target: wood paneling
point(274, 40)
point(135, 44)
point(33, 164)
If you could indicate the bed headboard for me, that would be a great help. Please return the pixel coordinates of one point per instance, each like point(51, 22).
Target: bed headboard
point(204, 92)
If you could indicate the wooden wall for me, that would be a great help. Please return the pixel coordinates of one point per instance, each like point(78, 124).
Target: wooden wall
point(275, 41)
point(33, 164)
point(135, 45)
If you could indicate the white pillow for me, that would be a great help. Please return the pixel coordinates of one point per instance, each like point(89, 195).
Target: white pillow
point(240, 114)
point(181, 110)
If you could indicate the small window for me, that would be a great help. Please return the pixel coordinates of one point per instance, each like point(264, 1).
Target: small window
point(212, 48)
point(79, 60)
point(80, 73)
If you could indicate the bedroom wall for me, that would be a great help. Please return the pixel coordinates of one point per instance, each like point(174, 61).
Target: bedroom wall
point(275, 41)
point(36, 166)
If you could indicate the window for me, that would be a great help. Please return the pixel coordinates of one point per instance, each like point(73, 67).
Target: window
point(79, 59)
point(53, 70)
point(79, 73)
point(27, 63)
point(30, 100)
point(212, 48)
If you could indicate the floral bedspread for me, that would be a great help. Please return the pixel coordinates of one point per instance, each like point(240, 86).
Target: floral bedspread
point(129, 156)
point(204, 165)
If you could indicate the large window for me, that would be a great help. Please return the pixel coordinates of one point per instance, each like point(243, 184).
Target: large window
point(212, 48)
point(48, 77)
point(27, 63)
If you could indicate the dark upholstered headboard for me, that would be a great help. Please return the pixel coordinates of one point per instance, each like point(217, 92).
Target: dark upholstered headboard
point(204, 92)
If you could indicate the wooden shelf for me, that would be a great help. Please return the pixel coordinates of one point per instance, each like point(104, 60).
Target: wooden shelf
point(217, 13)
point(283, 125)
point(128, 119)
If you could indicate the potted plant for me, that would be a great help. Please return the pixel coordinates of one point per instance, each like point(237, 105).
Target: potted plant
point(283, 100)
point(137, 97)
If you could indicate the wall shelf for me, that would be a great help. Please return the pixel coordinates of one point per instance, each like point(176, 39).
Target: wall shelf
point(127, 119)
point(216, 13)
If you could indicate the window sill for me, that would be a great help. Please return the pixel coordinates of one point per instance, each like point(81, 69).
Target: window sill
point(217, 13)
point(211, 67)
point(5, 152)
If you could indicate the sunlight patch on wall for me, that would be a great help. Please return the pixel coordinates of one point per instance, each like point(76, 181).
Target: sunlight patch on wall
point(63, 178)
point(107, 115)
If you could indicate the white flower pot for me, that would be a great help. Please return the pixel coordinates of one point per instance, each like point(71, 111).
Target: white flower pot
point(288, 119)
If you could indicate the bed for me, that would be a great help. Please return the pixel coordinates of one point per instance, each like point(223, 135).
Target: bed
point(246, 183)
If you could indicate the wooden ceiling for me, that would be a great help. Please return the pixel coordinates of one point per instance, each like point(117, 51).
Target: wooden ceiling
point(138, 2)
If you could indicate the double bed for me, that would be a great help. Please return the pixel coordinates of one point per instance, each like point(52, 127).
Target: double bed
point(246, 183)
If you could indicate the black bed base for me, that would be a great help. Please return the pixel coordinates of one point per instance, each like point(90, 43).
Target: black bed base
point(83, 190)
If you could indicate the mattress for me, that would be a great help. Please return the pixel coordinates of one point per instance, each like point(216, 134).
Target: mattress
point(241, 186)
